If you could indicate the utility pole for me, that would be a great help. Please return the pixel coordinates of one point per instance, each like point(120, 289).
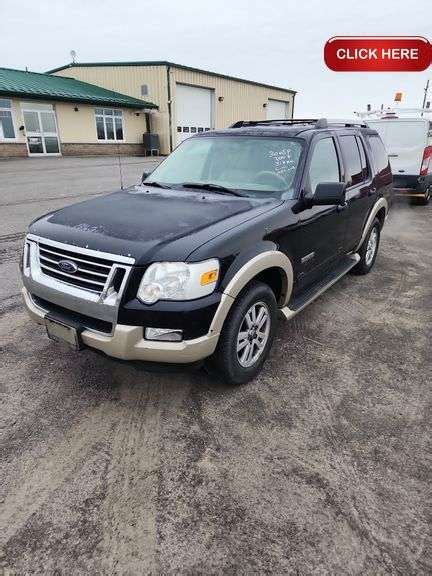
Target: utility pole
point(426, 89)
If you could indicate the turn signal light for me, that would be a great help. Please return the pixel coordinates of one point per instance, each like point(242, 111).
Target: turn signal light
point(208, 277)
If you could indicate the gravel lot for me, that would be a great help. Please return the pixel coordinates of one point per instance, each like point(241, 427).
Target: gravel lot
point(320, 466)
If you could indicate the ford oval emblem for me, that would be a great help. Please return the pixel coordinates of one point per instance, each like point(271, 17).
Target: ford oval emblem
point(67, 266)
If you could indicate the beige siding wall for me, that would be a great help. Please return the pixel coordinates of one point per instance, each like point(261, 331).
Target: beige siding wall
point(80, 127)
point(128, 80)
point(242, 101)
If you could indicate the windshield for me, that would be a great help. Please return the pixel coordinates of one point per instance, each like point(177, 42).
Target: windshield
point(249, 165)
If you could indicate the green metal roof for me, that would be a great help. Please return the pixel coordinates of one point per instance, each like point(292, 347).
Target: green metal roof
point(45, 87)
point(168, 65)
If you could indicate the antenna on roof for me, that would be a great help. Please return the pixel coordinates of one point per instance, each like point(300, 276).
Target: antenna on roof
point(73, 56)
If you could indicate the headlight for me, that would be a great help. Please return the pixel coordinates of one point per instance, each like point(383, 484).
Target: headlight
point(178, 281)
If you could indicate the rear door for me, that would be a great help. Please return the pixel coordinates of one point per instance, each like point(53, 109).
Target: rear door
point(322, 228)
point(382, 179)
point(405, 140)
point(360, 192)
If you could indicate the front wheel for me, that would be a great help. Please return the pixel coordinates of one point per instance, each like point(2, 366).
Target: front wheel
point(368, 250)
point(247, 335)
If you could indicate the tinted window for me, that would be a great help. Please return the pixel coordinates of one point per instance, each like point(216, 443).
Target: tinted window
point(351, 155)
point(363, 159)
point(324, 166)
point(6, 125)
point(379, 153)
point(109, 124)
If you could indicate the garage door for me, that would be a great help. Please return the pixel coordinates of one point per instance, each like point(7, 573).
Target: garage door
point(277, 110)
point(194, 110)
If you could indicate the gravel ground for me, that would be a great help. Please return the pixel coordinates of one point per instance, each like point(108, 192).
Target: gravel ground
point(322, 465)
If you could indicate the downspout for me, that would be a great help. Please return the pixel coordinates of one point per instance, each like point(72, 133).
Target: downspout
point(169, 108)
point(292, 109)
point(147, 122)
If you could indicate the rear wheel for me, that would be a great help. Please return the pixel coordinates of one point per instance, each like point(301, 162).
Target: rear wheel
point(368, 250)
point(247, 335)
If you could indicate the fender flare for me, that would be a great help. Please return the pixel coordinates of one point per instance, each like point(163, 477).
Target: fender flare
point(259, 263)
point(381, 203)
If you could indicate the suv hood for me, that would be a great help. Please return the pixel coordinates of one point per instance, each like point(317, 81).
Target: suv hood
point(149, 224)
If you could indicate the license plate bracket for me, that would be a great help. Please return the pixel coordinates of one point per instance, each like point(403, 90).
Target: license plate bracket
point(64, 332)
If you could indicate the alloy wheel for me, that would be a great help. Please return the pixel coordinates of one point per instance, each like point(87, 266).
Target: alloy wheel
point(253, 334)
point(371, 246)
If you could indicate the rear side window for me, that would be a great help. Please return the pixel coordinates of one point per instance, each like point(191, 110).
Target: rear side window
point(363, 159)
point(379, 152)
point(324, 165)
point(352, 159)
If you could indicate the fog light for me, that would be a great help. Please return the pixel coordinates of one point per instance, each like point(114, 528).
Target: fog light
point(164, 334)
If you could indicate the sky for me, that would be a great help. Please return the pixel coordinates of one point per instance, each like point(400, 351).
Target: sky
point(276, 42)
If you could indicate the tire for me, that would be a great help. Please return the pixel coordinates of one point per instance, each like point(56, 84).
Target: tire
point(367, 259)
point(231, 365)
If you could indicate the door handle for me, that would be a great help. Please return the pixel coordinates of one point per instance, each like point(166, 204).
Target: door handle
point(341, 207)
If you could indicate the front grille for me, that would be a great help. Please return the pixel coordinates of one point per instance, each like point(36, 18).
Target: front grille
point(91, 274)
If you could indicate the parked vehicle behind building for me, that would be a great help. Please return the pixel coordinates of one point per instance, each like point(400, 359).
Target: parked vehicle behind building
point(409, 145)
point(195, 262)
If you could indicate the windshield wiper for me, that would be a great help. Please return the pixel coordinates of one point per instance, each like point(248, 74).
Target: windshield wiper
point(211, 188)
point(156, 184)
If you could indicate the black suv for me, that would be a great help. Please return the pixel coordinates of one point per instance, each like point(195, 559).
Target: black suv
point(195, 262)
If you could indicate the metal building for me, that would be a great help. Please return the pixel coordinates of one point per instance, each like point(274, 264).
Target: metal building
point(189, 100)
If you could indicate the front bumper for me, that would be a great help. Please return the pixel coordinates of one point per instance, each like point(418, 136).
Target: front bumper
point(128, 342)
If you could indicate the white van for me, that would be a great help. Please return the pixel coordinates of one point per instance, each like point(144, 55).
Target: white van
point(409, 145)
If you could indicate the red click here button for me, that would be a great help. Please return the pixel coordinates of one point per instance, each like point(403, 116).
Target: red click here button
point(377, 53)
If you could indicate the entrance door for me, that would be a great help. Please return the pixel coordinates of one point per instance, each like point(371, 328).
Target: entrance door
point(193, 110)
point(41, 129)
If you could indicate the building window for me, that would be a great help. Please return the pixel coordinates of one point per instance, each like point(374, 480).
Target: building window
point(109, 124)
point(6, 123)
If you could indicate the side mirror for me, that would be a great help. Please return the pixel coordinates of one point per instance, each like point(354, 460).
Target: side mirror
point(145, 175)
point(328, 193)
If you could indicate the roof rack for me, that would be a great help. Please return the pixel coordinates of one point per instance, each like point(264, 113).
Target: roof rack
point(388, 112)
point(282, 121)
point(318, 123)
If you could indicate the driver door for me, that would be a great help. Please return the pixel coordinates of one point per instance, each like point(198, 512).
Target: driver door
point(322, 228)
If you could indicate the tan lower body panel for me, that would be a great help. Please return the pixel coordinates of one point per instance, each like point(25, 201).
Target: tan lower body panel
point(412, 194)
point(381, 203)
point(128, 343)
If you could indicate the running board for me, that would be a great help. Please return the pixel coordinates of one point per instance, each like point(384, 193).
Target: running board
point(301, 301)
